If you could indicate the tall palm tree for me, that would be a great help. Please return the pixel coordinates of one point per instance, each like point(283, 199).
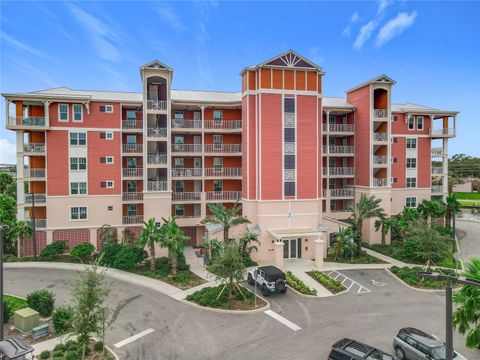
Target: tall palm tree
point(467, 315)
point(148, 237)
point(430, 210)
point(453, 207)
point(384, 223)
point(341, 242)
point(367, 207)
point(246, 241)
point(172, 238)
point(227, 217)
point(22, 230)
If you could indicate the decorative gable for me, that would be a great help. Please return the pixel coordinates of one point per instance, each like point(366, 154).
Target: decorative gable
point(290, 59)
point(156, 65)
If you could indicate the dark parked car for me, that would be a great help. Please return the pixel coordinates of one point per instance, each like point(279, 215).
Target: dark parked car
point(269, 278)
point(348, 349)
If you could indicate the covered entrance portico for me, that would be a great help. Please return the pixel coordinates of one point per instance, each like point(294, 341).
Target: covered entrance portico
point(294, 243)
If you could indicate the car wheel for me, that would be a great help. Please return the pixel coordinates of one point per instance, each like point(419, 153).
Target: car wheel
point(265, 291)
point(280, 285)
point(400, 354)
point(250, 279)
point(284, 290)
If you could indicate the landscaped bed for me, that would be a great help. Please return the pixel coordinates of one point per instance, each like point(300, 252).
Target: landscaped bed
point(409, 276)
point(297, 284)
point(208, 297)
point(184, 279)
point(71, 350)
point(16, 303)
point(363, 258)
point(326, 281)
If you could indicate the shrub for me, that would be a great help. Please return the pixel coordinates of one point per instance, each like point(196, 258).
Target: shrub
point(409, 275)
point(7, 311)
point(45, 354)
point(108, 253)
point(41, 301)
point(61, 319)
point(332, 285)
point(72, 347)
point(58, 353)
point(82, 251)
point(208, 297)
point(98, 346)
point(163, 265)
point(55, 248)
point(59, 347)
point(182, 263)
point(128, 256)
point(299, 285)
point(72, 355)
point(181, 278)
point(70, 342)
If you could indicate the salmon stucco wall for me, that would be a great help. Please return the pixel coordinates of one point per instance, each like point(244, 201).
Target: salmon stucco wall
point(98, 172)
point(57, 163)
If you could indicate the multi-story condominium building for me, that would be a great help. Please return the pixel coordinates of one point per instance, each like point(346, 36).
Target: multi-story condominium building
point(295, 159)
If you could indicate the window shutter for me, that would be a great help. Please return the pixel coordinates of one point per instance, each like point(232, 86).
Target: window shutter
point(102, 135)
point(289, 189)
point(103, 159)
point(289, 162)
point(289, 105)
point(103, 184)
point(289, 134)
point(102, 108)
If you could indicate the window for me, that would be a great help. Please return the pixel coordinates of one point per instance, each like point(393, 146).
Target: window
point(394, 140)
point(393, 160)
point(179, 139)
point(411, 163)
point(179, 162)
point(78, 188)
point(106, 160)
point(107, 184)
point(63, 112)
point(420, 123)
point(411, 182)
point(106, 108)
point(109, 208)
point(289, 134)
point(218, 186)
point(331, 183)
point(179, 210)
point(132, 210)
point(332, 205)
point(131, 115)
point(131, 163)
point(78, 139)
point(217, 117)
point(411, 143)
point(178, 115)
point(411, 123)
point(79, 163)
point(106, 135)
point(289, 163)
point(394, 180)
point(331, 119)
point(394, 118)
point(179, 186)
point(78, 112)
point(217, 164)
point(131, 186)
point(410, 202)
point(289, 189)
point(289, 105)
point(331, 162)
point(217, 142)
point(78, 213)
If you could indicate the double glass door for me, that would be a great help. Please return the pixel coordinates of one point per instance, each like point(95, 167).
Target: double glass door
point(292, 248)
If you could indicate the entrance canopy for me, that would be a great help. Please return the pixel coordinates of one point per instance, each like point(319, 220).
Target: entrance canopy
point(280, 234)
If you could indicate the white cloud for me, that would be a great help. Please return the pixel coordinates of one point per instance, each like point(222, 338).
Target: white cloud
point(395, 27)
point(382, 5)
point(169, 16)
point(22, 47)
point(364, 34)
point(354, 18)
point(8, 152)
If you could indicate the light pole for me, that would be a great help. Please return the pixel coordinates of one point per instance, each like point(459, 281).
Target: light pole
point(448, 303)
point(2, 230)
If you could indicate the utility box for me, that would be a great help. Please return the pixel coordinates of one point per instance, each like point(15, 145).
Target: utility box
point(26, 319)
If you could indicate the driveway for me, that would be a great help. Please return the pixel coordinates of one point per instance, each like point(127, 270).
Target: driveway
point(183, 332)
point(468, 234)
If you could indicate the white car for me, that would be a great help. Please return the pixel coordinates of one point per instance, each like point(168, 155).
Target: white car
point(269, 278)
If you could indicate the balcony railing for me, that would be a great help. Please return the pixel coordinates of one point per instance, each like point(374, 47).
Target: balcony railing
point(340, 193)
point(186, 124)
point(39, 223)
point(380, 182)
point(157, 185)
point(157, 132)
point(379, 136)
point(34, 147)
point(443, 132)
point(157, 159)
point(338, 171)
point(437, 189)
point(224, 195)
point(132, 124)
point(132, 172)
point(338, 128)
point(334, 149)
point(34, 173)
point(132, 196)
point(223, 148)
point(186, 196)
point(380, 113)
point(437, 170)
point(183, 172)
point(187, 148)
point(380, 160)
point(437, 151)
point(223, 172)
point(185, 216)
point(225, 124)
point(132, 219)
point(159, 105)
point(39, 198)
point(26, 121)
point(132, 148)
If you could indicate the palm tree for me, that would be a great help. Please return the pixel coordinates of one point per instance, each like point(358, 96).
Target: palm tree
point(384, 223)
point(172, 238)
point(341, 242)
point(22, 230)
point(227, 217)
point(453, 207)
point(367, 207)
point(467, 315)
point(246, 240)
point(148, 237)
point(430, 210)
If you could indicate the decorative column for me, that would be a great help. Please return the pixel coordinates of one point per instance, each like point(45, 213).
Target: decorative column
point(319, 252)
point(46, 105)
point(279, 253)
point(327, 193)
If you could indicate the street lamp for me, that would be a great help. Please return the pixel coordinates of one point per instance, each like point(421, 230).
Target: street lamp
point(34, 238)
point(448, 306)
point(2, 230)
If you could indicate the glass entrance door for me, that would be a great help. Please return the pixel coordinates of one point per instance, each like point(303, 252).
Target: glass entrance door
point(290, 248)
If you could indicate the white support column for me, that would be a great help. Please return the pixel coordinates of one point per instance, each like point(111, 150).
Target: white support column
point(279, 254)
point(46, 105)
point(7, 111)
point(445, 167)
point(327, 195)
point(20, 175)
point(202, 109)
point(319, 252)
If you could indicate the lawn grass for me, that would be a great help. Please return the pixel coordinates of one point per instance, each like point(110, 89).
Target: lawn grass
point(214, 297)
point(468, 196)
point(15, 302)
point(364, 258)
point(469, 203)
point(326, 281)
point(409, 275)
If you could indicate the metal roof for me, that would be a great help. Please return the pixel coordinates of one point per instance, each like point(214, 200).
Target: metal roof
point(336, 102)
point(415, 108)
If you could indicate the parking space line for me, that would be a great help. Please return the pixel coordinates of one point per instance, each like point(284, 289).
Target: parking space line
point(284, 321)
point(133, 338)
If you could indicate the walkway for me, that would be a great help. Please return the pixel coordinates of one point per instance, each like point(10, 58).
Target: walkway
point(468, 235)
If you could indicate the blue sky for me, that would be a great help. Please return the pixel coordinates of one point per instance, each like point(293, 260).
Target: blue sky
point(430, 48)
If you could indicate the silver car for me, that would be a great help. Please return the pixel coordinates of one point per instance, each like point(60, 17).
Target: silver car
point(413, 344)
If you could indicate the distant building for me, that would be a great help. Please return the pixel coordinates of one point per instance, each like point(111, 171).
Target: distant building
point(467, 186)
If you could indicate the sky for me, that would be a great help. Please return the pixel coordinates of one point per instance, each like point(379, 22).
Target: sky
point(431, 48)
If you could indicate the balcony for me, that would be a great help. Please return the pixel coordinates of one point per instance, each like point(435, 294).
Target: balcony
point(132, 148)
point(223, 148)
point(447, 132)
point(132, 196)
point(223, 195)
point(339, 128)
point(437, 151)
point(157, 159)
point(437, 170)
point(339, 171)
point(132, 124)
point(182, 172)
point(223, 125)
point(437, 189)
point(380, 182)
point(132, 172)
point(39, 198)
point(132, 219)
point(379, 136)
point(157, 132)
point(33, 173)
point(157, 185)
point(187, 148)
point(342, 193)
point(157, 105)
point(380, 160)
point(223, 172)
point(186, 124)
point(380, 114)
point(35, 148)
point(342, 149)
point(39, 223)
point(186, 196)
point(26, 122)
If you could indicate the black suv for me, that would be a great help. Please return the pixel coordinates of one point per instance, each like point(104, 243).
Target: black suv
point(348, 349)
point(269, 278)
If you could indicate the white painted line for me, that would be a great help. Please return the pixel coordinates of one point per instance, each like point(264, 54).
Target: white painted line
point(133, 338)
point(284, 321)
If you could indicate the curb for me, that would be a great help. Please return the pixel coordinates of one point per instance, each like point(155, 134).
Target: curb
point(305, 295)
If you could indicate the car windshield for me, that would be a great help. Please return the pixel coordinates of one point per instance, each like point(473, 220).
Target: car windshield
point(438, 353)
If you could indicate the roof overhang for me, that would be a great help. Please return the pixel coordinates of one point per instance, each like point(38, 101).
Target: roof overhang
point(295, 232)
point(381, 79)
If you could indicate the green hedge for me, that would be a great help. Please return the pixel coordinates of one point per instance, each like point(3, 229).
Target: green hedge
point(208, 297)
point(55, 248)
point(409, 275)
point(299, 285)
point(332, 285)
point(82, 251)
